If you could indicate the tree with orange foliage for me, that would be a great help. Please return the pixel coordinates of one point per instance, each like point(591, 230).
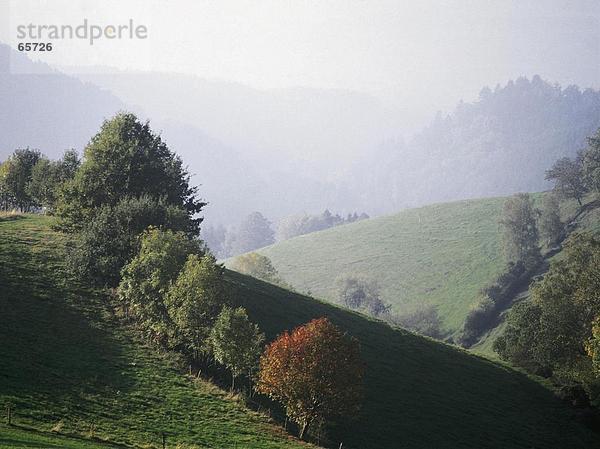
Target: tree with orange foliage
point(315, 371)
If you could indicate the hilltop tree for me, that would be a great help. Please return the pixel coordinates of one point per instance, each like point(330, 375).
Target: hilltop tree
point(521, 238)
point(148, 276)
point(567, 175)
point(236, 342)
point(315, 371)
point(254, 232)
point(194, 300)
point(126, 159)
point(551, 227)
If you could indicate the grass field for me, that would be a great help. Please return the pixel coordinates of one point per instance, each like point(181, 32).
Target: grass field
point(67, 364)
point(440, 255)
point(23, 438)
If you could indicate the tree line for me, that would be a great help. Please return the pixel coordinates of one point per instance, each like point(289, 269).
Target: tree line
point(30, 181)
point(255, 231)
point(526, 229)
point(555, 333)
point(132, 217)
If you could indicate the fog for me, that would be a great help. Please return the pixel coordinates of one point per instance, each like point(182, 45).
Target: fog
point(288, 107)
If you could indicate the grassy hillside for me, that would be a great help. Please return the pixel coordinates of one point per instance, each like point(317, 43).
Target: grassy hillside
point(19, 438)
point(425, 394)
point(67, 365)
point(440, 254)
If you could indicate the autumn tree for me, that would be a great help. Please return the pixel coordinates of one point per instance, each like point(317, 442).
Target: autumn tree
point(315, 371)
point(236, 342)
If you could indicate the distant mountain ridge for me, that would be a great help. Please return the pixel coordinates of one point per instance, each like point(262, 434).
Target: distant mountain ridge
point(287, 151)
point(46, 109)
point(498, 145)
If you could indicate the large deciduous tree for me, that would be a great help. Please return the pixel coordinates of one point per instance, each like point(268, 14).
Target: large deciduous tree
point(315, 371)
point(567, 175)
point(126, 159)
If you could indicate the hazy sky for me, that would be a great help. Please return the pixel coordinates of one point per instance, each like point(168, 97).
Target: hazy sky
point(404, 47)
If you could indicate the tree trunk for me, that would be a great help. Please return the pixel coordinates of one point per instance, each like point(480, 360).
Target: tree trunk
point(304, 429)
point(232, 381)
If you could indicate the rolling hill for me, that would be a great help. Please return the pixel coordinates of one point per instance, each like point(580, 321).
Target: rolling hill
point(70, 365)
point(439, 255)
